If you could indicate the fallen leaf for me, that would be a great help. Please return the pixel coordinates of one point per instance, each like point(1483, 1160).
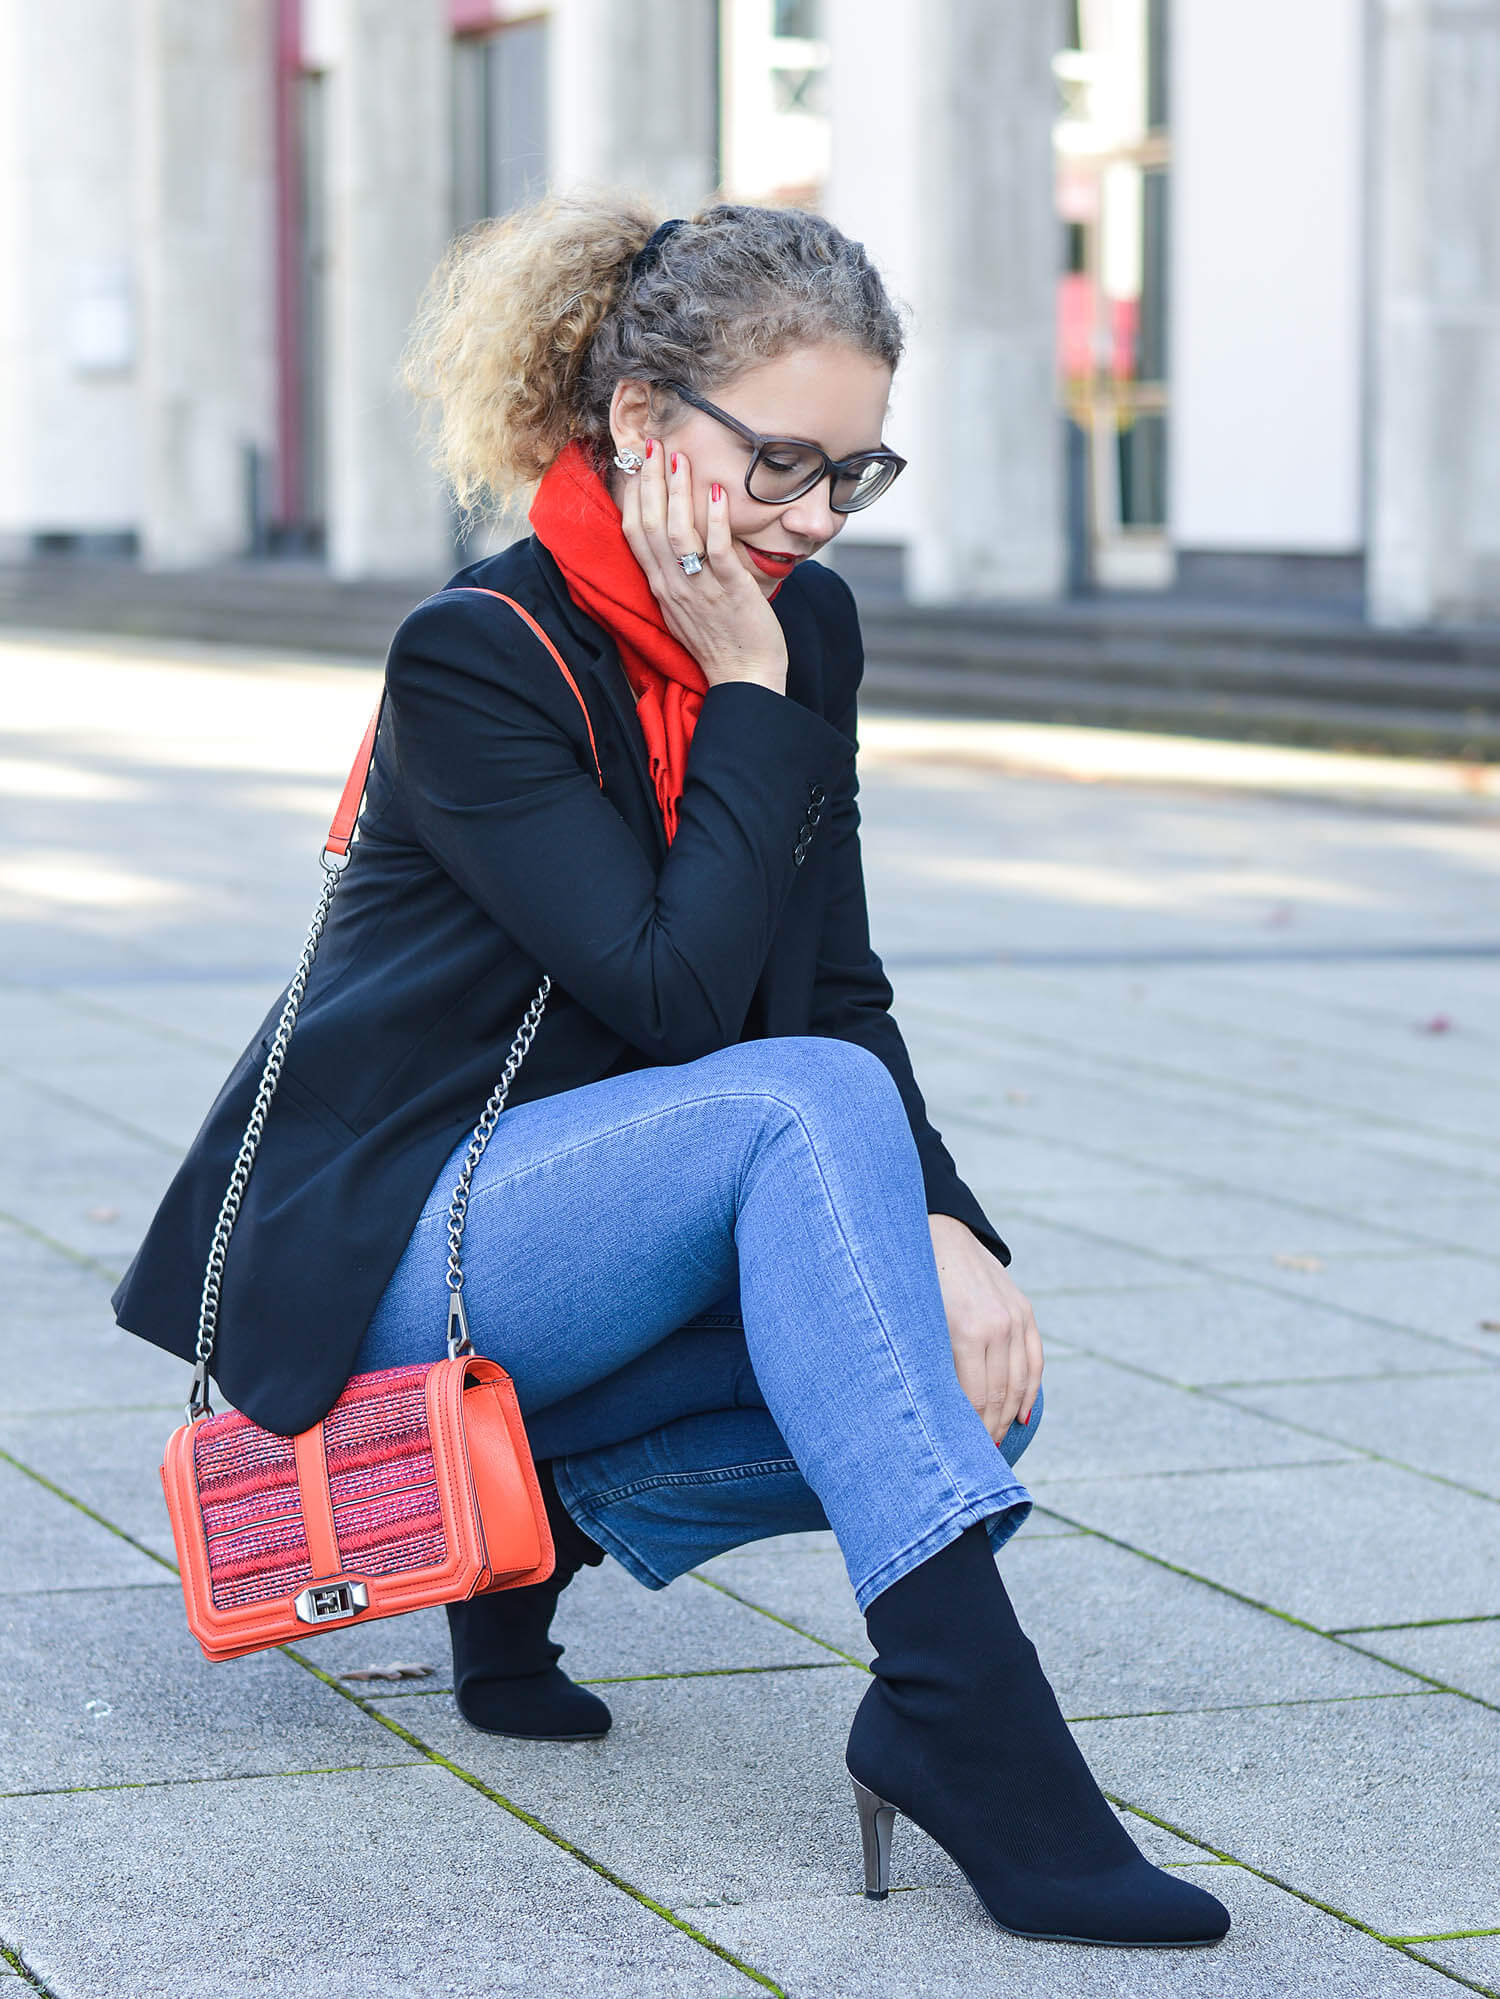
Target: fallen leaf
point(1284, 1260)
point(102, 1215)
point(401, 1670)
point(1438, 1024)
point(1018, 1096)
point(1489, 1325)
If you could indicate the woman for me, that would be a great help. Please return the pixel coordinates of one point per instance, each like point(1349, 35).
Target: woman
point(715, 1240)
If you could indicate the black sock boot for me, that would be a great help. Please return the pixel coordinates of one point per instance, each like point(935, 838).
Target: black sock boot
point(961, 1731)
point(506, 1678)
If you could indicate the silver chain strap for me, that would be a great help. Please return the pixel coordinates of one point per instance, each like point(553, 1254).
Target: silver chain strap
point(459, 1342)
point(458, 1208)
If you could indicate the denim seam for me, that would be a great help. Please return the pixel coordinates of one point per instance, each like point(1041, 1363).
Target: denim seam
point(718, 1475)
point(599, 1137)
point(938, 1459)
point(971, 1514)
point(709, 1098)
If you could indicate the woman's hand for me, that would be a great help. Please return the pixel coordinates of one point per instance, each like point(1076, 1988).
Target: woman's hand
point(721, 614)
point(997, 1350)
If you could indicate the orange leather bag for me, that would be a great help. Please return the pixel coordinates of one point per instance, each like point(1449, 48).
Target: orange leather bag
point(418, 1486)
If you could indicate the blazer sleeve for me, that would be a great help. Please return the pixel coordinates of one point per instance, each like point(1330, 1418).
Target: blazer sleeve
point(851, 994)
point(502, 795)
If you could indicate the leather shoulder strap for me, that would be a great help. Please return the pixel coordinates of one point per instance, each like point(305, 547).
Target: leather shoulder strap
point(341, 832)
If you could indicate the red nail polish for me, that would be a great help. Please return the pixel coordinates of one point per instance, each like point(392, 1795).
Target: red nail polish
point(1026, 1419)
point(717, 491)
point(650, 446)
point(674, 461)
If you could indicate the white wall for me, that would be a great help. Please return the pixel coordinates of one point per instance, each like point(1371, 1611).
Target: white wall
point(69, 322)
point(950, 189)
point(872, 195)
point(1266, 276)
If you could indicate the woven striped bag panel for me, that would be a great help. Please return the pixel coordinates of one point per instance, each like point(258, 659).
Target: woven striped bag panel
point(381, 1474)
point(252, 1512)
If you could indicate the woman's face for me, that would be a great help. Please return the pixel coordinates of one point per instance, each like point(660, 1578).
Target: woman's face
point(831, 395)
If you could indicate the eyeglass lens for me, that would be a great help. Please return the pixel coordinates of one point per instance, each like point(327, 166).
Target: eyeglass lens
point(785, 473)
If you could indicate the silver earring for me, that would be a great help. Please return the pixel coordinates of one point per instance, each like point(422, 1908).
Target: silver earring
point(629, 461)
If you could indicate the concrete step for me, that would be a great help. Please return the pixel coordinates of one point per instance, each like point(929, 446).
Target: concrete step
point(1256, 673)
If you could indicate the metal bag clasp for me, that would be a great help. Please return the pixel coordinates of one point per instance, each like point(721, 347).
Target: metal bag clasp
point(324, 1603)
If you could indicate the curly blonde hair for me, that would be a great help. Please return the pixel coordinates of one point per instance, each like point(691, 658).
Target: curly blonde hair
point(531, 320)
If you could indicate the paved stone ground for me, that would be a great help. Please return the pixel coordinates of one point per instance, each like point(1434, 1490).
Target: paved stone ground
point(1224, 1065)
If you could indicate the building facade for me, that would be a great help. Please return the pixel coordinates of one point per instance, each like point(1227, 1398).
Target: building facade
point(1203, 300)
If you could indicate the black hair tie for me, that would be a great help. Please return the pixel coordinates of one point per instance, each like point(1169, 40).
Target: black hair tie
point(650, 250)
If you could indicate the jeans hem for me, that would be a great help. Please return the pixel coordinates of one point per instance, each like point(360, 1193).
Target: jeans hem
point(584, 1508)
point(999, 1517)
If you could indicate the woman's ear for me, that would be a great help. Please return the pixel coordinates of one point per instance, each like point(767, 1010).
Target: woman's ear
point(630, 414)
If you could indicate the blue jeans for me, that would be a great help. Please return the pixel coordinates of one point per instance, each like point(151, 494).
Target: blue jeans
point(714, 1288)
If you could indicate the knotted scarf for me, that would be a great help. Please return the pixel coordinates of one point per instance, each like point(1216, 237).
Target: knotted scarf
point(577, 522)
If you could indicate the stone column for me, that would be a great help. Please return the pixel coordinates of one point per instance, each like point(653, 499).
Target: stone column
point(950, 187)
point(205, 216)
point(388, 181)
point(1434, 149)
point(635, 97)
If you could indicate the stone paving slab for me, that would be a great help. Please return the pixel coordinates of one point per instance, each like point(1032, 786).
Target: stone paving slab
point(939, 1943)
point(59, 1345)
point(1338, 1545)
point(1120, 1635)
point(1385, 1809)
point(1447, 1221)
point(52, 1545)
point(159, 1084)
point(1101, 1419)
point(111, 1689)
point(220, 1013)
point(109, 1459)
point(716, 1790)
point(1115, 1634)
point(1342, 1170)
point(1446, 1293)
point(1211, 1330)
point(1192, 1222)
point(56, 1189)
point(610, 1628)
point(1454, 1093)
point(388, 1881)
point(1466, 1656)
point(1476, 1958)
point(1447, 1424)
point(1049, 1258)
point(1108, 1094)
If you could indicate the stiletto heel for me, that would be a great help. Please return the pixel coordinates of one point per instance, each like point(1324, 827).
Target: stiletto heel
point(960, 1730)
point(877, 1821)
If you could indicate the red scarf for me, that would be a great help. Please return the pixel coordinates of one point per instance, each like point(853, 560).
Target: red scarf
point(578, 523)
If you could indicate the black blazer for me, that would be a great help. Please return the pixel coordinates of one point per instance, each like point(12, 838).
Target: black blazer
point(487, 852)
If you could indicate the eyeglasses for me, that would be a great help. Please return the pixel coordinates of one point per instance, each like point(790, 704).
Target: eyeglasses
point(784, 468)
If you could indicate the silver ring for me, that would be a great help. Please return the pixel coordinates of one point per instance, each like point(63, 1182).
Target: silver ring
point(692, 562)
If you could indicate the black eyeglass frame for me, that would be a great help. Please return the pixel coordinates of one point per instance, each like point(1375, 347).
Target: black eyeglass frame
point(830, 468)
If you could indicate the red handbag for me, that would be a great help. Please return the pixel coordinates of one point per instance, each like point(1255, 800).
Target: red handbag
point(418, 1486)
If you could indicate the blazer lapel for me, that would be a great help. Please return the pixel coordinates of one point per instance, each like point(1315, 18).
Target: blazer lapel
point(602, 669)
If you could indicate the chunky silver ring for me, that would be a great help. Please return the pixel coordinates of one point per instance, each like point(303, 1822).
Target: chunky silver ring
point(692, 562)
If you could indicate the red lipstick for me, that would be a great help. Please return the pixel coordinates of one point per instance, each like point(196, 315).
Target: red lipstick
point(772, 565)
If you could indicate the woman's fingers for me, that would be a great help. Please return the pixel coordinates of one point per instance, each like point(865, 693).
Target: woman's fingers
point(1034, 1362)
point(719, 541)
point(682, 529)
point(633, 511)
